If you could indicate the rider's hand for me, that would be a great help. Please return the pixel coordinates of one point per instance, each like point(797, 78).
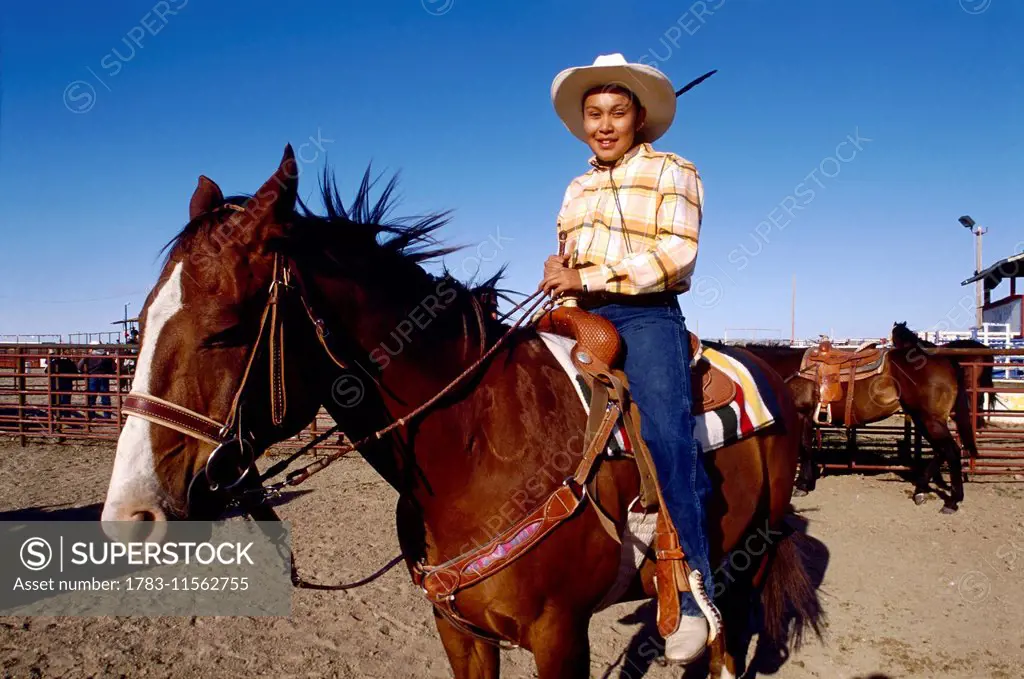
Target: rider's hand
point(561, 281)
point(555, 263)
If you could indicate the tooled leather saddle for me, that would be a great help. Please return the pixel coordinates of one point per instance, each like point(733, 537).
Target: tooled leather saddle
point(597, 354)
point(597, 336)
point(830, 368)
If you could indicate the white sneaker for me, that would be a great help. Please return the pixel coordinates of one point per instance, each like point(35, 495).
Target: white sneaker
point(706, 605)
point(688, 642)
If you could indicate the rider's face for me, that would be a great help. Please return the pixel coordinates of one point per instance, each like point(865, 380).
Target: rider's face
point(611, 121)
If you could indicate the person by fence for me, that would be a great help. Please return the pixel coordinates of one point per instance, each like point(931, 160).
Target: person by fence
point(98, 367)
point(61, 385)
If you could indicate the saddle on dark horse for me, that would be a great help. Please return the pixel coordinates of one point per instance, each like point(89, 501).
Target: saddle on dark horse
point(830, 368)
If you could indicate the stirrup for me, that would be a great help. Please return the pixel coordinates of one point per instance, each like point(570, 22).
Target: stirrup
point(828, 414)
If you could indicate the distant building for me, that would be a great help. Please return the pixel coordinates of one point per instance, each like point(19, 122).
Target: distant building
point(1009, 309)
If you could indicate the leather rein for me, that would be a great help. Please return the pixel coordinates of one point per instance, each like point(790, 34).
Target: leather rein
point(230, 468)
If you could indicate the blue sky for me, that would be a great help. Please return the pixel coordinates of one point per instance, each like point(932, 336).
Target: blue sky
point(111, 110)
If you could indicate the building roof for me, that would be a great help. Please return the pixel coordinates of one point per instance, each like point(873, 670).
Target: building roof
point(1011, 267)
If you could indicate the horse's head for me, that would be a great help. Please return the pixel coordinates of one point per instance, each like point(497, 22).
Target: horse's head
point(208, 328)
point(903, 337)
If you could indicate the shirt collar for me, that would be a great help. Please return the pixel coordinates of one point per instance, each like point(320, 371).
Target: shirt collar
point(629, 155)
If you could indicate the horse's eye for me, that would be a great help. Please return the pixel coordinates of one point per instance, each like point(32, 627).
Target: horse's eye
point(232, 336)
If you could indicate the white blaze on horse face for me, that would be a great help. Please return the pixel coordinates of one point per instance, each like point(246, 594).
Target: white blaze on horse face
point(134, 486)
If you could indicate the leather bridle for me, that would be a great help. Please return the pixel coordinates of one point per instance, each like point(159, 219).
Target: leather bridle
point(229, 474)
point(233, 460)
point(230, 469)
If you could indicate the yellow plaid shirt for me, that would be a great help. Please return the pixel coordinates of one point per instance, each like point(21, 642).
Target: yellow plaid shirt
point(661, 197)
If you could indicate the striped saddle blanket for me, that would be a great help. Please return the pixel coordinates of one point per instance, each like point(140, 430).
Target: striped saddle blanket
point(754, 408)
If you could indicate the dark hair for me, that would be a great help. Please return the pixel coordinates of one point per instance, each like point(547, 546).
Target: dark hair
point(613, 87)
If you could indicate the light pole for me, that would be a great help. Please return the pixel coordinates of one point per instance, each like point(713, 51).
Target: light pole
point(979, 285)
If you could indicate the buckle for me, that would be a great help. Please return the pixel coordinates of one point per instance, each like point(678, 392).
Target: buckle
point(579, 491)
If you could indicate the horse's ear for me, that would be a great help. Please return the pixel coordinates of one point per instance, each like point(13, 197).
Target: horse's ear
point(206, 197)
point(275, 200)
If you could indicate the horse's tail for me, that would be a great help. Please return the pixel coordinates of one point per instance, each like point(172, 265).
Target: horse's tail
point(962, 408)
point(789, 594)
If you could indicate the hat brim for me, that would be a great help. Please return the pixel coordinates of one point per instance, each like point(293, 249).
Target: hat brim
point(651, 86)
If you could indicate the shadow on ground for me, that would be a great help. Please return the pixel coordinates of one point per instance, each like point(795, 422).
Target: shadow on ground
point(55, 513)
point(646, 647)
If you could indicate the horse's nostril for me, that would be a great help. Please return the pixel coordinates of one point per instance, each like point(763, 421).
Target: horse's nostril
point(139, 525)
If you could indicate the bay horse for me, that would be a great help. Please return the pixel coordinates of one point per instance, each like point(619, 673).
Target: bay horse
point(352, 321)
point(928, 388)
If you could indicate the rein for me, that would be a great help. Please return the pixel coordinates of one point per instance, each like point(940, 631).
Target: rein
point(232, 473)
point(231, 477)
point(301, 474)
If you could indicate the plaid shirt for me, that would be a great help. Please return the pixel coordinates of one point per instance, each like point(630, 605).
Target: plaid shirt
point(662, 198)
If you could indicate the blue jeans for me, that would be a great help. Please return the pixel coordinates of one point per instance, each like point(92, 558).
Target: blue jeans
point(657, 365)
point(100, 385)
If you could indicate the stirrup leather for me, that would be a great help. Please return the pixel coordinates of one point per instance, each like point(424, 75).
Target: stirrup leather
point(667, 568)
point(673, 575)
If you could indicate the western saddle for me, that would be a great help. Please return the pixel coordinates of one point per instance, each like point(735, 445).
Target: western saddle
point(596, 355)
point(829, 368)
point(596, 336)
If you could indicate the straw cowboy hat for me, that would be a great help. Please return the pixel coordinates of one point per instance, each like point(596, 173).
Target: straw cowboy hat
point(651, 86)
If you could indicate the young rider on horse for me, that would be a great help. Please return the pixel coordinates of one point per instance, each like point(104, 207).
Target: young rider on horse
point(630, 225)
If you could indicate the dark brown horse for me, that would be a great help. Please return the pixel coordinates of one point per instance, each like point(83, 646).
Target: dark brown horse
point(385, 337)
point(930, 389)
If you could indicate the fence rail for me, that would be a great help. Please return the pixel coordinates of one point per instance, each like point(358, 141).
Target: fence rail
point(47, 391)
point(1001, 442)
point(76, 392)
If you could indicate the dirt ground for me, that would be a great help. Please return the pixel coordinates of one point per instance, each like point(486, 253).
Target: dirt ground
point(908, 592)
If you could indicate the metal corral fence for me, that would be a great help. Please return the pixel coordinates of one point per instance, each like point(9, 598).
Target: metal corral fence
point(1001, 440)
point(66, 391)
point(75, 392)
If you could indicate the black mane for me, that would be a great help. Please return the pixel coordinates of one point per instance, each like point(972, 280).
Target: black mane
point(362, 225)
point(364, 229)
point(365, 234)
point(361, 239)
